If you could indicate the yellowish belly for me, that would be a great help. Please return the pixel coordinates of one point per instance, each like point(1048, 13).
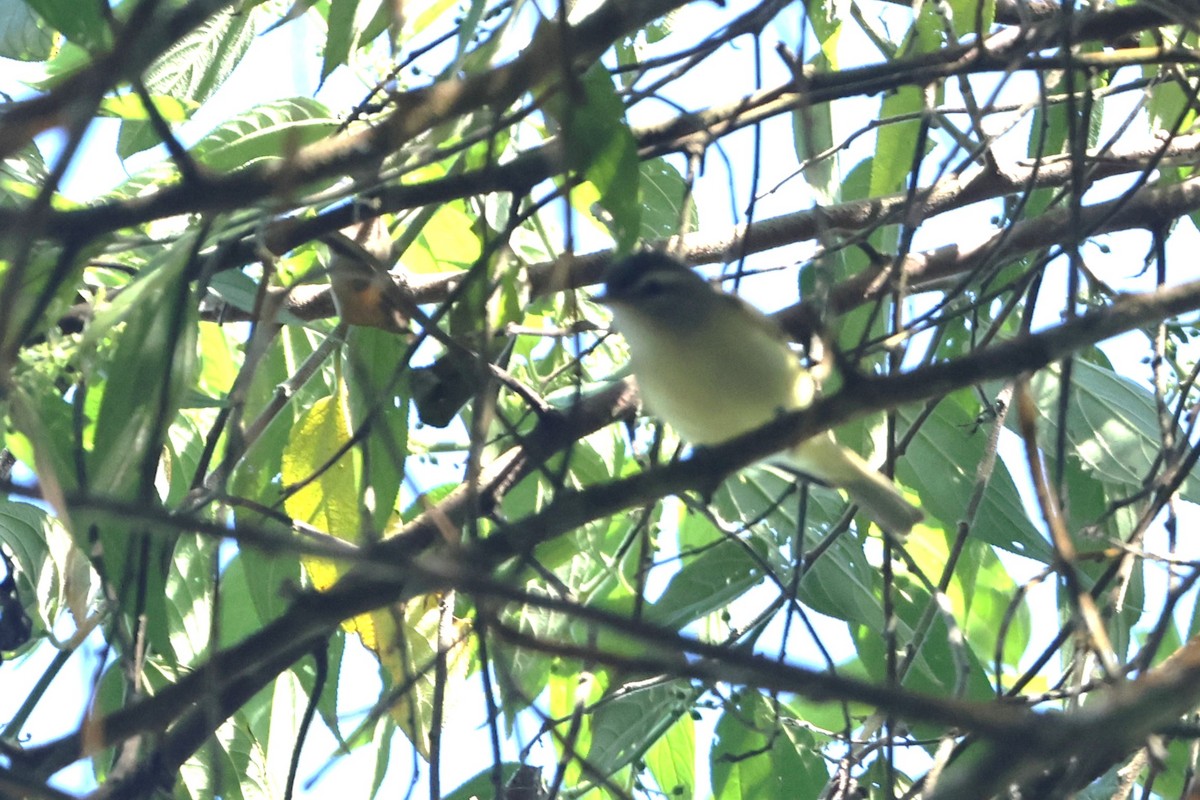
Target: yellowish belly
point(711, 388)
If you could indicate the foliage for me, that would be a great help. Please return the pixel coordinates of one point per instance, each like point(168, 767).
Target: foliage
point(218, 496)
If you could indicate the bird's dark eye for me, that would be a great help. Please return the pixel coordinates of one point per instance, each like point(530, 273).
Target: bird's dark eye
point(653, 286)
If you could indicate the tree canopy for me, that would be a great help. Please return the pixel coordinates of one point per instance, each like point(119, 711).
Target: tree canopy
point(326, 373)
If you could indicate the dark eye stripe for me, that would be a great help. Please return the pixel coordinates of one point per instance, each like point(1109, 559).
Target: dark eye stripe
point(652, 285)
point(630, 274)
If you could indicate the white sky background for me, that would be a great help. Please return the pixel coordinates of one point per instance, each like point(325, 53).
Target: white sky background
point(285, 63)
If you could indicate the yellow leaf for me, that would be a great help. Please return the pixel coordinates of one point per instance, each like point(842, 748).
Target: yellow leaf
point(327, 497)
point(408, 655)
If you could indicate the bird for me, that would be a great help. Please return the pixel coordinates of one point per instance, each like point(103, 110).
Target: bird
point(364, 291)
point(714, 367)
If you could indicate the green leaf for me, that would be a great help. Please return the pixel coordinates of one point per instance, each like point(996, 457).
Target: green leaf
point(45, 287)
point(825, 17)
point(1112, 425)
point(928, 32)
point(200, 63)
point(523, 672)
point(446, 241)
point(468, 26)
point(82, 23)
point(941, 463)
point(256, 475)
point(296, 11)
point(136, 133)
point(288, 699)
point(43, 436)
point(942, 662)
point(24, 533)
point(1170, 108)
point(759, 755)
point(662, 191)
point(235, 288)
point(812, 136)
point(266, 133)
point(246, 581)
point(64, 62)
point(1173, 778)
point(21, 526)
point(769, 497)
point(482, 784)
point(600, 146)
point(379, 22)
point(1050, 130)
point(179, 461)
point(624, 728)
point(24, 36)
point(263, 580)
point(672, 759)
point(152, 365)
point(972, 16)
point(979, 593)
point(570, 687)
point(429, 14)
point(228, 765)
point(381, 744)
point(708, 582)
point(189, 591)
point(843, 584)
point(20, 174)
point(320, 471)
point(130, 107)
point(219, 357)
point(895, 143)
point(341, 35)
point(406, 642)
point(379, 401)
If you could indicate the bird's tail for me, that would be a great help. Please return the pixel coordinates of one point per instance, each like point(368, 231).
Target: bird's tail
point(823, 458)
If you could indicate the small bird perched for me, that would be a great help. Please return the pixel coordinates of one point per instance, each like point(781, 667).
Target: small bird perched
point(715, 368)
point(364, 291)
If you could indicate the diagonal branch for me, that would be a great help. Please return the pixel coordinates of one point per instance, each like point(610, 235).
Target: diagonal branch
point(422, 109)
point(392, 570)
point(145, 37)
point(1148, 207)
point(414, 113)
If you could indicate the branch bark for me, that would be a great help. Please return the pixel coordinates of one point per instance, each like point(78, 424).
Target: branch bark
point(408, 564)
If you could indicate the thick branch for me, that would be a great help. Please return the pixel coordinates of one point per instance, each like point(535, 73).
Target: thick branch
point(257, 660)
point(414, 113)
point(420, 110)
point(144, 38)
point(1114, 722)
point(1148, 207)
point(390, 572)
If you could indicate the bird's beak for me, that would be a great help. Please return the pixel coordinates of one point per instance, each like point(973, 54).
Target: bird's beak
point(605, 297)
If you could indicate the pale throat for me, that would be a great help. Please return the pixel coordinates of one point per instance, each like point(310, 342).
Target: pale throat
point(708, 385)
